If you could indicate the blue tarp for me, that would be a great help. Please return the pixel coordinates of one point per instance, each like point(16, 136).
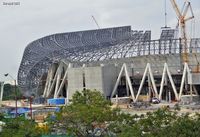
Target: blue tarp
point(56, 101)
point(20, 111)
point(57, 109)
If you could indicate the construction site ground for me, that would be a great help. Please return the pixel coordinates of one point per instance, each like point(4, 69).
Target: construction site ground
point(189, 108)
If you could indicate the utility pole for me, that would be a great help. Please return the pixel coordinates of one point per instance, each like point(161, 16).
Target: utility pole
point(15, 86)
point(31, 113)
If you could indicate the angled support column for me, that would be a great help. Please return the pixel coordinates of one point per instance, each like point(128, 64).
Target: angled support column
point(142, 82)
point(162, 83)
point(129, 82)
point(49, 80)
point(195, 90)
point(117, 82)
point(185, 71)
point(52, 84)
point(123, 68)
point(153, 81)
point(47, 83)
point(52, 74)
point(166, 71)
point(63, 81)
point(127, 89)
point(172, 83)
point(67, 93)
point(147, 71)
point(58, 79)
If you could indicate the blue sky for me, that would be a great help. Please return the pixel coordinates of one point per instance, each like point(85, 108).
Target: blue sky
point(33, 19)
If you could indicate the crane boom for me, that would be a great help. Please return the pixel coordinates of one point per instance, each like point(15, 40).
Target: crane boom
point(175, 6)
point(95, 22)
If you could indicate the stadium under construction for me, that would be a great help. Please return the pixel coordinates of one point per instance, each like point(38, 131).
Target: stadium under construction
point(115, 61)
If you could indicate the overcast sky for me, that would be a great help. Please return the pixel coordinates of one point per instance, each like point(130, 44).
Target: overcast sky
point(33, 19)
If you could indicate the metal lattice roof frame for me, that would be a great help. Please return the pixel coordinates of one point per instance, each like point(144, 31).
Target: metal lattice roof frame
point(87, 46)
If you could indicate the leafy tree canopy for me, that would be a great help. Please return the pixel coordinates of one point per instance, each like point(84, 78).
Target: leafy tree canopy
point(9, 92)
point(20, 127)
point(90, 114)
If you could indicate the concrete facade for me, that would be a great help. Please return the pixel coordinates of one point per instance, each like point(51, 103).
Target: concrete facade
point(102, 76)
point(109, 77)
point(75, 81)
point(94, 78)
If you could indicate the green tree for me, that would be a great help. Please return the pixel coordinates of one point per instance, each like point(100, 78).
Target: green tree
point(163, 123)
point(88, 112)
point(9, 92)
point(184, 126)
point(20, 127)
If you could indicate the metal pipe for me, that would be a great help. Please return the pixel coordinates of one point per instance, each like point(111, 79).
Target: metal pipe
point(15, 99)
point(31, 107)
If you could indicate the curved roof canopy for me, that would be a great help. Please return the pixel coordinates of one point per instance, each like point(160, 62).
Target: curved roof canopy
point(41, 53)
point(87, 46)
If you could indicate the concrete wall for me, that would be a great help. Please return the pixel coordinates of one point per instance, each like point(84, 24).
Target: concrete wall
point(110, 74)
point(157, 63)
point(100, 78)
point(75, 81)
point(93, 78)
point(138, 63)
point(194, 78)
point(186, 99)
point(103, 78)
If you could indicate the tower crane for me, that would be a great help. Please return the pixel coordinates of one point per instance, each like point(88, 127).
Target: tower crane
point(182, 19)
point(95, 22)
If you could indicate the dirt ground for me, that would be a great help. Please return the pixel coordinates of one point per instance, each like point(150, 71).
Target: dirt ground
point(153, 107)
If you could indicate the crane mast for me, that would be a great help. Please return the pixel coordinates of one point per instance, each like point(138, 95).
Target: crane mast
point(182, 18)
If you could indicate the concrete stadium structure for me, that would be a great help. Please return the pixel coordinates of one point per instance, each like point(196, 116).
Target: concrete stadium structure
point(112, 60)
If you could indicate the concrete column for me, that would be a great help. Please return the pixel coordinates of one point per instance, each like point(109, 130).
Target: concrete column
point(169, 97)
point(117, 101)
point(162, 83)
point(58, 81)
point(117, 82)
point(51, 84)
point(195, 90)
point(63, 81)
point(149, 86)
point(142, 82)
point(127, 89)
point(191, 93)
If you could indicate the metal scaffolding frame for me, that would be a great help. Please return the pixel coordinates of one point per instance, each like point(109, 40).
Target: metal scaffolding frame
point(90, 46)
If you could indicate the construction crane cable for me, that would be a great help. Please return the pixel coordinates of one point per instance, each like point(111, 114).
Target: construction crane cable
point(165, 14)
point(194, 35)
